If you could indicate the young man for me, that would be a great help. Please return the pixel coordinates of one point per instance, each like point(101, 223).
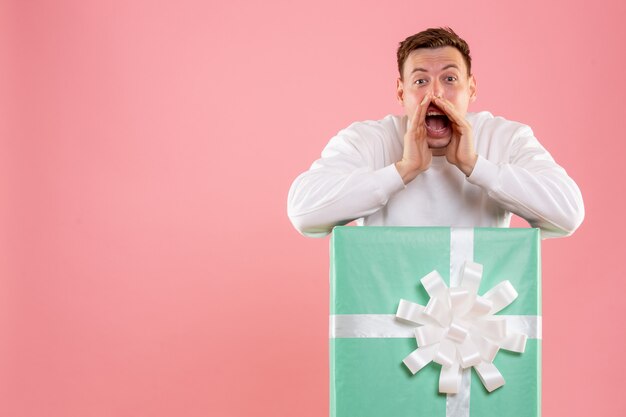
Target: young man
point(438, 165)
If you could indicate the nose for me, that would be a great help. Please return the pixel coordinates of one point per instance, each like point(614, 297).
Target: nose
point(437, 88)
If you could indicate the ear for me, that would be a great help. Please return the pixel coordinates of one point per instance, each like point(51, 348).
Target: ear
point(473, 88)
point(400, 91)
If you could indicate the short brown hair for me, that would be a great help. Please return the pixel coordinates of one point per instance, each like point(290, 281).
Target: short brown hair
point(433, 38)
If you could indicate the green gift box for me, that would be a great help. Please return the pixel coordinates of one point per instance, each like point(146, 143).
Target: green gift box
point(373, 268)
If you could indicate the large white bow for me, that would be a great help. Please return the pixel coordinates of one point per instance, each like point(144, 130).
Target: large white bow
point(459, 330)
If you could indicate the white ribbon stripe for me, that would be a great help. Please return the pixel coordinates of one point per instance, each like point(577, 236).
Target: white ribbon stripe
point(458, 328)
point(387, 326)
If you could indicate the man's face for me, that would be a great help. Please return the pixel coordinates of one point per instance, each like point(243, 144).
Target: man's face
point(441, 72)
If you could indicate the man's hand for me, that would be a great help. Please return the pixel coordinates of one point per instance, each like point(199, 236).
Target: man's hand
point(417, 156)
point(460, 151)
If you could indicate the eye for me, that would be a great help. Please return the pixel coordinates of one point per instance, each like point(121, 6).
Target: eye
point(451, 78)
point(420, 81)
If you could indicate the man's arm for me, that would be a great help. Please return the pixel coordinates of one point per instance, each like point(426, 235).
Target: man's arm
point(533, 186)
point(342, 186)
point(339, 187)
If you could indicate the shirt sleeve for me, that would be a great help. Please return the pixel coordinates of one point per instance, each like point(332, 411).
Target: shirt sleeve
point(340, 187)
point(533, 186)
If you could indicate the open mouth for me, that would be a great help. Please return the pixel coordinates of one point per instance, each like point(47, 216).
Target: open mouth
point(437, 123)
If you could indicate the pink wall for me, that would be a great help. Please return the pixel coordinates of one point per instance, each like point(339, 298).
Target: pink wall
point(147, 265)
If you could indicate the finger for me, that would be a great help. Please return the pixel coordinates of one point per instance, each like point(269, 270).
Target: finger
point(450, 111)
point(423, 110)
point(419, 116)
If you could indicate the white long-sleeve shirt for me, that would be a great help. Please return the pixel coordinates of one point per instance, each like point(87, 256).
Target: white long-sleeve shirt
point(356, 178)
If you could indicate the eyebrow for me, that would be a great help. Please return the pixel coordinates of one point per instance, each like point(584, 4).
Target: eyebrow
point(420, 69)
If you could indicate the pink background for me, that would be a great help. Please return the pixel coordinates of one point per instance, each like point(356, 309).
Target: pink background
point(147, 265)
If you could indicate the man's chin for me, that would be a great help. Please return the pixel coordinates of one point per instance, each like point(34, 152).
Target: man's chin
point(438, 145)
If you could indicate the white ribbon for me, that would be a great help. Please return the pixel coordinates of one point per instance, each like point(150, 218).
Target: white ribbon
point(387, 326)
point(459, 329)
